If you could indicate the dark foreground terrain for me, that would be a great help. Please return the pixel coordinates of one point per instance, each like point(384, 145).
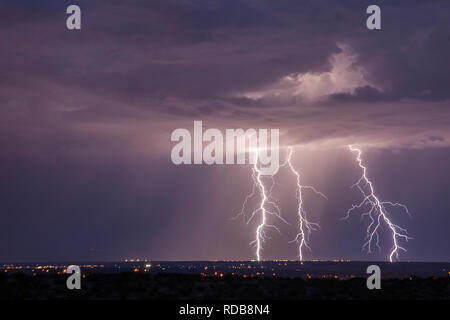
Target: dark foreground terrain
point(127, 285)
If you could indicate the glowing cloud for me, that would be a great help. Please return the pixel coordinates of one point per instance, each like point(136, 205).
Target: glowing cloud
point(345, 76)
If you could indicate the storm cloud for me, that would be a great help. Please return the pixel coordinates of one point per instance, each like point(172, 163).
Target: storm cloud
point(86, 116)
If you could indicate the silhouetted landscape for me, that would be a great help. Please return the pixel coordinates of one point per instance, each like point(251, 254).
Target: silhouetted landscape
point(226, 280)
point(183, 286)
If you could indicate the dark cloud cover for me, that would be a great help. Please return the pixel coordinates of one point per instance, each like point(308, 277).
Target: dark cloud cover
point(86, 117)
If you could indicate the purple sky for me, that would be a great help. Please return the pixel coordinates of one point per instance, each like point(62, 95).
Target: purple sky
point(86, 118)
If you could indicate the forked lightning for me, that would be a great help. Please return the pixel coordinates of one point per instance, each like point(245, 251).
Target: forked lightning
point(268, 206)
point(377, 213)
point(305, 226)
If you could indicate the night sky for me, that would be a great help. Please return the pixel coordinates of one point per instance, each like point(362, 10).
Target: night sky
point(86, 118)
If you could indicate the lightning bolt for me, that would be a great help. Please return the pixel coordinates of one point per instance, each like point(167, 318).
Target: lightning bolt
point(377, 213)
point(305, 226)
point(268, 206)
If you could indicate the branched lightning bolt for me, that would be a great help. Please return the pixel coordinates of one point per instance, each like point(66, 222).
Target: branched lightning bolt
point(267, 201)
point(305, 226)
point(377, 213)
point(267, 206)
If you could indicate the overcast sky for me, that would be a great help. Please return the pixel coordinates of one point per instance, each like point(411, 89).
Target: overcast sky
point(86, 118)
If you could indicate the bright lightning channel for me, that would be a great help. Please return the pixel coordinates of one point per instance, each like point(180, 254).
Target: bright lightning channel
point(305, 226)
point(268, 206)
point(377, 213)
